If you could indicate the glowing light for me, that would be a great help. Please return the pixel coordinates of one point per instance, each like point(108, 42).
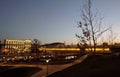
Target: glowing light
point(61, 49)
point(5, 50)
point(98, 50)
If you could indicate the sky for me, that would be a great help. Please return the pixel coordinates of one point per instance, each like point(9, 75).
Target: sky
point(51, 20)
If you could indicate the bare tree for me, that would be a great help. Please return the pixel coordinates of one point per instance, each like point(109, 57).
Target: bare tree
point(111, 36)
point(91, 26)
point(36, 45)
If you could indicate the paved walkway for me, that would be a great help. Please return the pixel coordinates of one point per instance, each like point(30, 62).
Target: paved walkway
point(55, 68)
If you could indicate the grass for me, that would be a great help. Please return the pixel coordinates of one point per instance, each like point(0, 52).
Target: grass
point(19, 72)
point(93, 66)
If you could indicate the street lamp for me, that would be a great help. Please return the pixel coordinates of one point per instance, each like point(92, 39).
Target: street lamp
point(47, 61)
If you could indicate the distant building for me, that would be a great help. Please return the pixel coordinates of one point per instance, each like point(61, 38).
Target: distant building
point(54, 45)
point(18, 46)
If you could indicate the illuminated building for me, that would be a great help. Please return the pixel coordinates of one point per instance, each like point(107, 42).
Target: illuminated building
point(17, 45)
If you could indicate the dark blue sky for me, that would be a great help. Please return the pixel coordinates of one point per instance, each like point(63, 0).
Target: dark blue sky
point(50, 20)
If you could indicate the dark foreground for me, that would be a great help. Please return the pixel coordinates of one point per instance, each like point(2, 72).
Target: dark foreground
point(93, 66)
point(8, 71)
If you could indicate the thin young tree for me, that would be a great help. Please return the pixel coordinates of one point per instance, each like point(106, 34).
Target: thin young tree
point(111, 36)
point(36, 44)
point(91, 26)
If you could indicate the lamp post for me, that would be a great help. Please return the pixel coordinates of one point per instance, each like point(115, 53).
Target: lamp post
point(47, 61)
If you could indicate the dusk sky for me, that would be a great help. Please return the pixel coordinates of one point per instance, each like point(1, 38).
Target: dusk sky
point(51, 20)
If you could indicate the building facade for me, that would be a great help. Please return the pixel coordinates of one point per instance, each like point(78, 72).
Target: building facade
point(17, 46)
